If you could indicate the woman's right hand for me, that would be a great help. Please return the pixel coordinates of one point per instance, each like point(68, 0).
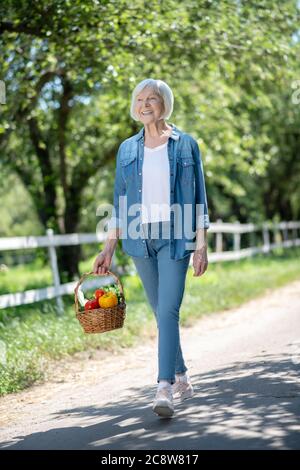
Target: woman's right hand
point(102, 262)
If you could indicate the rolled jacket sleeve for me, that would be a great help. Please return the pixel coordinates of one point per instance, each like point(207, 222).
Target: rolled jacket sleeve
point(202, 217)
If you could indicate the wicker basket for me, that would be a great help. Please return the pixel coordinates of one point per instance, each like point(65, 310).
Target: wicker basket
point(99, 320)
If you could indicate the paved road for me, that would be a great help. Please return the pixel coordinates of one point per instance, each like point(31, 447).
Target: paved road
point(245, 366)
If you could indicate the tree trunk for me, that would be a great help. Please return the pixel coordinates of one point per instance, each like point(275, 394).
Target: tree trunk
point(69, 256)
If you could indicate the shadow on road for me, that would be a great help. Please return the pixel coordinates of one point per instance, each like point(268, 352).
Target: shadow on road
point(250, 405)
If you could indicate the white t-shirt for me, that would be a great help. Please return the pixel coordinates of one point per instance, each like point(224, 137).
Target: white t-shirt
point(156, 184)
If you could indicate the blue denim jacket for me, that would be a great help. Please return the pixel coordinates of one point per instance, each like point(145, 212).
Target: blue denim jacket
point(187, 191)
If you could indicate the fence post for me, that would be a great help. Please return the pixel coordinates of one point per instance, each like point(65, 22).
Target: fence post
point(237, 239)
point(295, 236)
point(277, 233)
point(252, 237)
point(285, 232)
point(266, 238)
point(219, 238)
point(55, 272)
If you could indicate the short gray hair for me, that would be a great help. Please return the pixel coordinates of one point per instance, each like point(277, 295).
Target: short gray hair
point(161, 89)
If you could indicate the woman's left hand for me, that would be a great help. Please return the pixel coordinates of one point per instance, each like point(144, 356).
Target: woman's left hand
point(200, 261)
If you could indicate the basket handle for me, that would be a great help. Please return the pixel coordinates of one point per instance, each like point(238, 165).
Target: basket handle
point(85, 275)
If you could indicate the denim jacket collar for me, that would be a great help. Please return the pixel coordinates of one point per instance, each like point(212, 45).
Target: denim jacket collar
point(175, 133)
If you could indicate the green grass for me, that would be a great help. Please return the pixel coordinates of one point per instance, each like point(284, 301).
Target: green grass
point(33, 335)
point(25, 277)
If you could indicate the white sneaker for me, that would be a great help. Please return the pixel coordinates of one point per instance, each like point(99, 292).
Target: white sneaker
point(183, 389)
point(163, 402)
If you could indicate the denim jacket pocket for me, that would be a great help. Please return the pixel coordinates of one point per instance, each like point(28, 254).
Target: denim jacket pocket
point(128, 167)
point(186, 168)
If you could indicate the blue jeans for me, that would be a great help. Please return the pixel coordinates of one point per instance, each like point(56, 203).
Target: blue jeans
point(164, 282)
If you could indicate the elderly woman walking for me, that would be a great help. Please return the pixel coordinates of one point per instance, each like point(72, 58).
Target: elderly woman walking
point(161, 216)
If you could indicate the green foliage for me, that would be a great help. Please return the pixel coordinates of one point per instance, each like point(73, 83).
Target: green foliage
point(16, 219)
point(70, 67)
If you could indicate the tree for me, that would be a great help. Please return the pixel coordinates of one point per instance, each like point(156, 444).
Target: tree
point(69, 69)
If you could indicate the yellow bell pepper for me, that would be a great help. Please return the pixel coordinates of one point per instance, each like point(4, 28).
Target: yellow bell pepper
point(108, 300)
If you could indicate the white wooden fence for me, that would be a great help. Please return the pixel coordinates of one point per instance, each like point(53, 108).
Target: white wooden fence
point(285, 235)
